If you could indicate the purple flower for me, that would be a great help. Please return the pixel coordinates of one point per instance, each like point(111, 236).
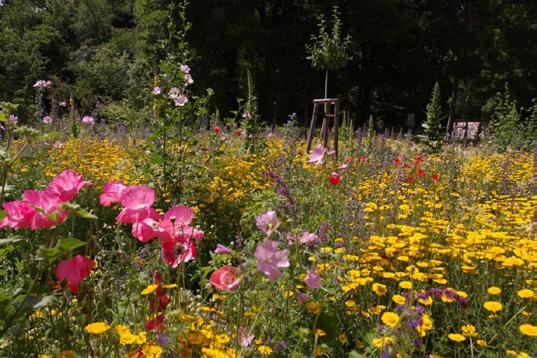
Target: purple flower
point(13, 119)
point(317, 155)
point(184, 68)
point(270, 259)
point(222, 250)
point(313, 279)
point(301, 297)
point(88, 120)
point(267, 222)
point(156, 90)
point(47, 120)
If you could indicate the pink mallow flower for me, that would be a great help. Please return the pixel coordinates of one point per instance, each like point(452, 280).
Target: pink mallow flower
point(222, 250)
point(267, 222)
point(308, 238)
point(74, 270)
point(47, 120)
point(226, 278)
point(313, 279)
point(270, 259)
point(112, 193)
point(317, 155)
point(136, 201)
point(184, 68)
point(67, 184)
point(88, 120)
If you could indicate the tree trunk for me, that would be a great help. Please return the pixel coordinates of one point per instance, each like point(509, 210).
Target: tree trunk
point(451, 116)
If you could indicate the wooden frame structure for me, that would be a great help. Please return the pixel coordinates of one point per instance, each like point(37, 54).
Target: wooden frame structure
point(331, 111)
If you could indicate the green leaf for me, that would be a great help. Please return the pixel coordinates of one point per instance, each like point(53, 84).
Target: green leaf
point(63, 247)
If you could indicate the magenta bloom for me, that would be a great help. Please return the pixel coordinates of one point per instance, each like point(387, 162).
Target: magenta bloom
point(74, 270)
point(267, 222)
point(112, 193)
point(226, 278)
point(67, 184)
point(270, 259)
point(317, 155)
point(48, 204)
point(18, 215)
point(222, 250)
point(313, 279)
point(136, 201)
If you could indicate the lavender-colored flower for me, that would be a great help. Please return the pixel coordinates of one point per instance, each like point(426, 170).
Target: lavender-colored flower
point(47, 120)
point(317, 155)
point(245, 338)
point(267, 222)
point(156, 90)
point(88, 120)
point(63, 104)
point(222, 250)
point(188, 79)
point(180, 101)
point(270, 259)
point(308, 238)
point(313, 279)
point(301, 297)
point(163, 339)
point(292, 116)
point(184, 68)
point(13, 119)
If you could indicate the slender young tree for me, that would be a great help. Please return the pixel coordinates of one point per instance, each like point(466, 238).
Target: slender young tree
point(432, 127)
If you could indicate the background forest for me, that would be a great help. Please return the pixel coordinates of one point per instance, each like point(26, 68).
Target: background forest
point(105, 52)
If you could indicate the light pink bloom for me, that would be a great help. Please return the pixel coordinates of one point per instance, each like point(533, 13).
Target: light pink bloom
point(88, 120)
point(136, 201)
point(188, 79)
point(46, 203)
point(184, 68)
point(63, 104)
point(270, 259)
point(267, 222)
point(308, 238)
point(226, 278)
point(343, 167)
point(47, 120)
point(317, 155)
point(74, 270)
point(58, 145)
point(112, 193)
point(13, 119)
point(39, 84)
point(180, 101)
point(48, 84)
point(156, 90)
point(245, 338)
point(67, 184)
point(222, 250)
point(247, 115)
point(180, 215)
point(313, 279)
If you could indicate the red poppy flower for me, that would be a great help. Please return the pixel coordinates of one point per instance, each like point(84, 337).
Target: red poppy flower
point(216, 130)
point(334, 178)
point(435, 177)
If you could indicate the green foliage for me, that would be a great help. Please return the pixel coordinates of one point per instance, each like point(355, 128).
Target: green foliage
point(511, 127)
point(432, 127)
point(329, 51)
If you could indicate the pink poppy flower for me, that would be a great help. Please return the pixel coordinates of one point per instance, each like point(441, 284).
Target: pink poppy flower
point(67, 184)
point(112, 193)
point(18, 215)
point(136, 201)
point(267, 222)
point(145, 230)
point(48, 204)
point(74, 270)
point(270, 259)
point(313, 279)
point(317, 155)
point(175, 251)
point(222, 250)
point(226, 278)
point(180, 215)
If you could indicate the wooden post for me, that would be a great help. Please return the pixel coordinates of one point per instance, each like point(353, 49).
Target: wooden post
point(312, 126)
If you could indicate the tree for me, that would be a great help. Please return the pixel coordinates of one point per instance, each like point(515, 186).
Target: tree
point(432, 127)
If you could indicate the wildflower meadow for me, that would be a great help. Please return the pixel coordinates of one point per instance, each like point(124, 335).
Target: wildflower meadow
point(170, 220)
